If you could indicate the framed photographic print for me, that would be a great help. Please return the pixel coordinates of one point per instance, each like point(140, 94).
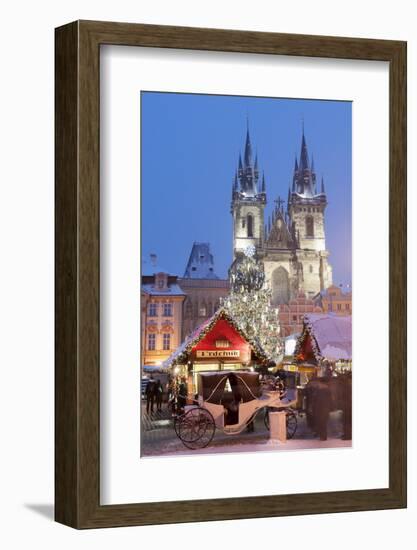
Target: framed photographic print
point(230, 274)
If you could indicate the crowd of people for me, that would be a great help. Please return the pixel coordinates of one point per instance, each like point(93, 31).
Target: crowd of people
point(174, 393)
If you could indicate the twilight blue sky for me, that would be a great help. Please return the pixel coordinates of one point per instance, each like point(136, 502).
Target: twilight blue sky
point(190, 149)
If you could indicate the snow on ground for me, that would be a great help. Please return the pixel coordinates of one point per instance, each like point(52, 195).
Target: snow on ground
point(251, 447)
point(159, 438)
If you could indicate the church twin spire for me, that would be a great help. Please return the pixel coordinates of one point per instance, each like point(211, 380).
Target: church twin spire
point(246, 179)
point(247, 175)
point(304, 177)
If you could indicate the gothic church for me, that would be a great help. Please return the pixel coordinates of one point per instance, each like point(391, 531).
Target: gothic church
point(291, 243)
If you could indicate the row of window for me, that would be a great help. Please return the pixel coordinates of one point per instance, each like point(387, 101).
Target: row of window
point(153, 310)
point(198, 310)
point(202, 309)
point(338, 307)
point(166, 342)
point(309, 209)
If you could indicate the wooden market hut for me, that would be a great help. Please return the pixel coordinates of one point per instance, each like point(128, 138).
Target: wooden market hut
point(218, 344)
point(326, 338)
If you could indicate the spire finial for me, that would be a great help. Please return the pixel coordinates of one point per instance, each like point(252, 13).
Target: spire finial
point(263, 183)
point(322, 185)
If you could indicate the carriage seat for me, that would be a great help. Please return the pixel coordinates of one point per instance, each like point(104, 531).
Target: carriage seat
point(231, 409)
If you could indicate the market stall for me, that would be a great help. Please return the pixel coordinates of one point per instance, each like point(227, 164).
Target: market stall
point(218, 344)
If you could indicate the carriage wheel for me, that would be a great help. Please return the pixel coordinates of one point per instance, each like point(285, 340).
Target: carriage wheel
point(195, 428)
point(291, 422)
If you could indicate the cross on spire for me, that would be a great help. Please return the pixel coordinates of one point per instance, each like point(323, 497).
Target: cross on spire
point(280, 203)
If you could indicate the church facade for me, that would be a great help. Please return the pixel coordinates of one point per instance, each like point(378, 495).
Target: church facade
point(291, 242)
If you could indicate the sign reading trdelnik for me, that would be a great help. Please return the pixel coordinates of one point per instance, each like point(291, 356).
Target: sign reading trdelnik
point(218, 353)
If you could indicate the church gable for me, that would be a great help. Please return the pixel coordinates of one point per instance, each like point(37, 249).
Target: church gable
point(279, 235)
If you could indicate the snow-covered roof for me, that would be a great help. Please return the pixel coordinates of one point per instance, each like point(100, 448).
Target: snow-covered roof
point(154, 368)
point(332, 333)
point(180, 355)
point(200, 263)
point(170, 290)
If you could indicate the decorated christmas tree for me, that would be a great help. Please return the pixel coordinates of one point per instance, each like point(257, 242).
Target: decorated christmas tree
point(249, 303)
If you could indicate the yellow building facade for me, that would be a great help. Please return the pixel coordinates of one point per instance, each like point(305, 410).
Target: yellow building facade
point(161, 317)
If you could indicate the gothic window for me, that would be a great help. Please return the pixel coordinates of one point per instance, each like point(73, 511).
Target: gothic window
point(280, 286)
point(188, 309)
point(202, 311)
point(250, 225)
point(309, 226)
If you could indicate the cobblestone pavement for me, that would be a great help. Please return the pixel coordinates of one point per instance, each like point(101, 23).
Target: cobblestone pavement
point(158, 437)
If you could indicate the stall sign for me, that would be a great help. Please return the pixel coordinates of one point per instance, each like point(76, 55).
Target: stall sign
point(209, 354)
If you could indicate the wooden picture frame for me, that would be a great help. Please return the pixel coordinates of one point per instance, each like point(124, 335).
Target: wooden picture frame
point(77, 404)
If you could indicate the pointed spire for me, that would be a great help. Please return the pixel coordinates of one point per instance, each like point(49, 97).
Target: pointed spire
point(263, 183)
point(304, 163)
point(295, 164)
point(322, 186)
point(256, 162)
point(248, 148)
point(289, 198)
point(312, 163)
point(240, 162)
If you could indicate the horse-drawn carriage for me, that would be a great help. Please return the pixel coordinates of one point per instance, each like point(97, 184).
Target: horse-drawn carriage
point(229, 401)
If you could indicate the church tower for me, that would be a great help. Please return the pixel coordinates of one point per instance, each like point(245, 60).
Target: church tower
point(306, 207)
point(248, 203)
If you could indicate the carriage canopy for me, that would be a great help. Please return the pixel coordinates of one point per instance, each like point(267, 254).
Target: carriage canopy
point(244, 386)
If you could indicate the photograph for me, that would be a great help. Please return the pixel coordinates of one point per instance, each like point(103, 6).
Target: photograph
point(246, 274)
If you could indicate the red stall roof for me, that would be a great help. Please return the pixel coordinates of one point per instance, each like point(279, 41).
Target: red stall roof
point(220, 325)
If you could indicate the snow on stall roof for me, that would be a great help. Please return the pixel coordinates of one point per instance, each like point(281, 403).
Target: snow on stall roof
point(333, 334)
point(194, 338)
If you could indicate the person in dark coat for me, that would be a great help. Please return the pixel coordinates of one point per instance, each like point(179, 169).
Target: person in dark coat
point(150, 393)
point(310, 397)
point(346, 403)
point(322, 405)
point(182, 395)
point(158, 395)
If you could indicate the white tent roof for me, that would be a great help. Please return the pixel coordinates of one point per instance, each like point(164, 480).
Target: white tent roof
point(333, 334)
